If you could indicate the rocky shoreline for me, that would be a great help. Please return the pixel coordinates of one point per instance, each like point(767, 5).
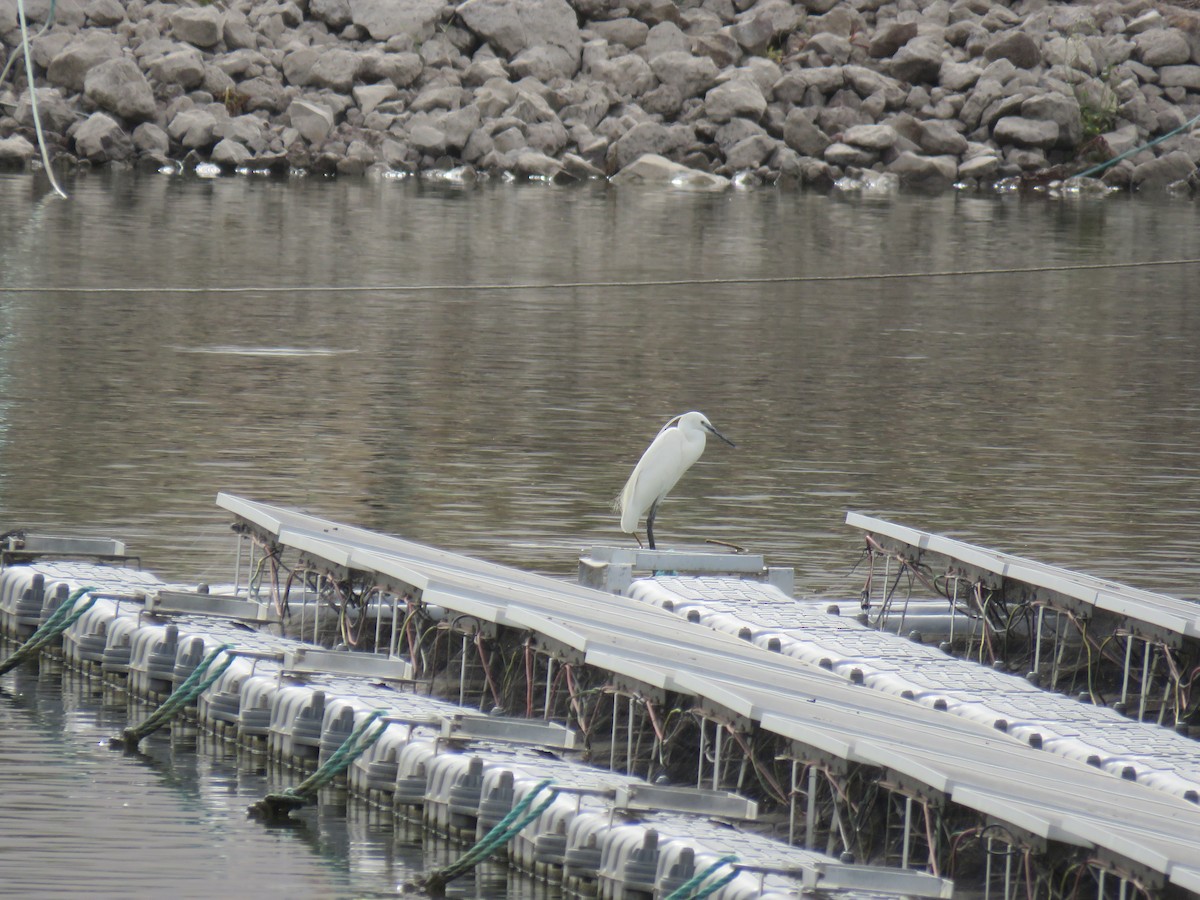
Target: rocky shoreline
point(924, 93)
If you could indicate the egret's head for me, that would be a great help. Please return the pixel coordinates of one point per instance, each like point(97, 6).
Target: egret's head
point(699, 420)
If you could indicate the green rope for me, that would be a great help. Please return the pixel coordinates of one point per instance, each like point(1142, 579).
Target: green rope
point(1128, 153)
point(503, 832)
point(185, 693)
point(61, 619)
point(688, 890)
point(275, 807)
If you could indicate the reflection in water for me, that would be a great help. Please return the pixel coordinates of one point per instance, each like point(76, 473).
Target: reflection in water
point(1053, 414)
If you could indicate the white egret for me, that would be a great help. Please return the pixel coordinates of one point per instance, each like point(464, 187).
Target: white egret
point(669, 455)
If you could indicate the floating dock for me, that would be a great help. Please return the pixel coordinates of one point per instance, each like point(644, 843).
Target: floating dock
point(695, 719)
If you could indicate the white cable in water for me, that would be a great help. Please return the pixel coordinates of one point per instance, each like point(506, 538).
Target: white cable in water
point(37, 121)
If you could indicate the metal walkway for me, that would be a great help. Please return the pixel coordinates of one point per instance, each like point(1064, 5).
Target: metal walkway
point(1150, 836)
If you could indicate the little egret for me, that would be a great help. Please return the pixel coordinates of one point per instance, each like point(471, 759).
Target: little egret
point(669, 455)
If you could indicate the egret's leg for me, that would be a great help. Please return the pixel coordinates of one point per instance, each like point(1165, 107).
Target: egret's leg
point(650, 525)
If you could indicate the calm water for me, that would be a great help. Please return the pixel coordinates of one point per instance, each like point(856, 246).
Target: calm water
point(1052, 414)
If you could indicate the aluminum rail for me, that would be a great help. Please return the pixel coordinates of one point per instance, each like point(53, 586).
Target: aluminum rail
point(1057, 798)
point(1158, 611)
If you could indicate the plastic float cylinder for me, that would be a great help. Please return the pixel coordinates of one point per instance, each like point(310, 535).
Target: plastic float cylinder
point(85, 639)
point(21, 603)
point(152, 660)
point(412, 773)
point(342, 716)
point(495, 799)
point(257, 700)
point(297, 712)
point(444, 772)
point(119, 646)
point(679, 861)
point(221, 703)
point(628, 862)
point(582, 859)
point(377, 767)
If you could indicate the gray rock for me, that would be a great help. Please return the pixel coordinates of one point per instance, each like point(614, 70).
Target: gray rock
point(242, 63)
point(1061, 109)
point(16, 150)
point(335, 69)
point(802, 134)
point(545, 63)
point(297, 65)
point(369, 96)
point(690, 75)
point(56, 113)
point(830, 49)
point(263, 93)
point(1022, 132)
point(512, 25)
point(193, 129)
point(495, 97)
point(735, 131)
point(314, 121)
point(201, 26)
point(721, 48)
point(841, 154)
point(941, 139)
point(1161, 47)
point(919, 61)
point(665, 37)
point(629, 75)
point(100, 139)
point(230, 154)
point(577, 167)
point(750, 153)
point(867, 82)
point(532, 164)
point(986, 92)
point(958, 76)
point(665, 101)
point(428, 139)
point(655, 169)
point(983, 166)
point(530, 107)
point(1157, 174)
point(69, 65)
point(105, 13)
point(890, 38)
point(119, 86)
point(401, 69)
point(218, 83)
point(1187, 77)
point(924, 172)
point(753, 35)
point(627, 31)
point(183, 67)
point(740, 97)
point(1017, 47)
point(237, 33)
point(334, 13)
point(458, 125)
point(386, 19)
point(482, 70)
point(793, 86)
point(871, 137)
point(246, 130)
point(150, 139)
point(643, 138)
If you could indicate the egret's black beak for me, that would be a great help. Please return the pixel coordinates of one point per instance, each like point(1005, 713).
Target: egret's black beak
point(721, 436)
